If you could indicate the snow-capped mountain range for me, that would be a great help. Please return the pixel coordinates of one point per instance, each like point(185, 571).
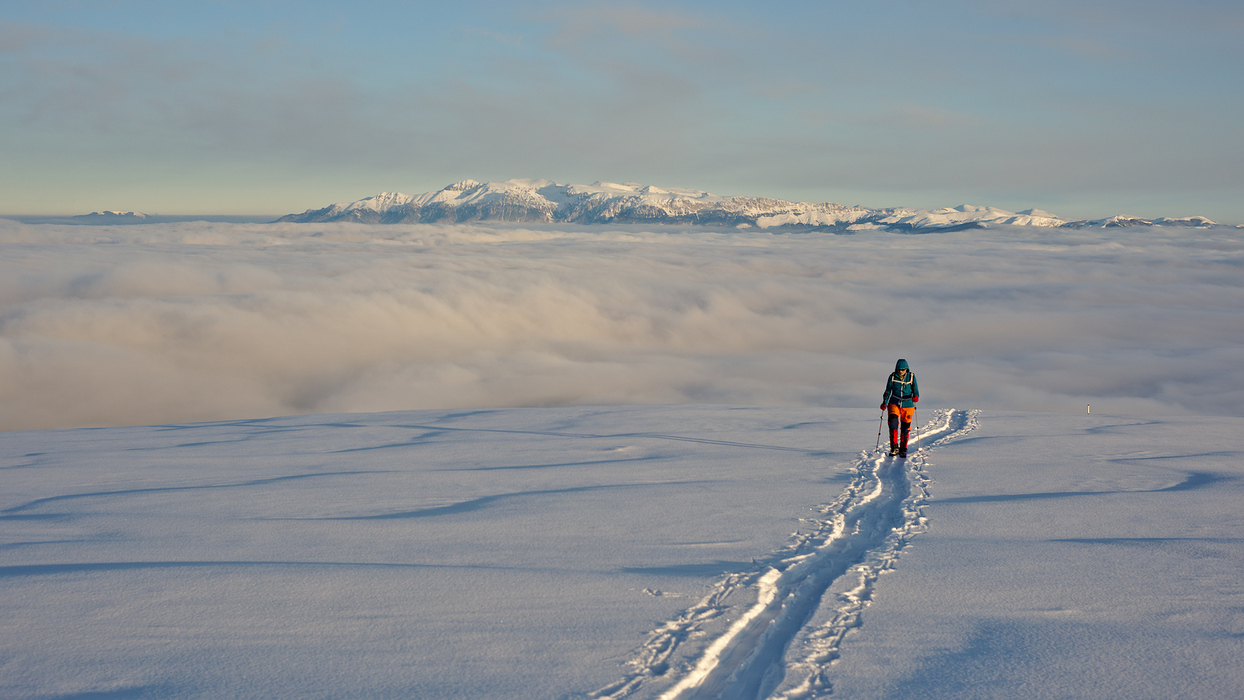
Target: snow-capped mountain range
point(112, 217)
point(544, 201)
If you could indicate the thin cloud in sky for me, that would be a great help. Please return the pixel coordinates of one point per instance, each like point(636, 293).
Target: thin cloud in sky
point(104, 86)
point(576, 25)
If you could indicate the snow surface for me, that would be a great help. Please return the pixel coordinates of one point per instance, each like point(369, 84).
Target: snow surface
point(741, 541)
point(649, 551)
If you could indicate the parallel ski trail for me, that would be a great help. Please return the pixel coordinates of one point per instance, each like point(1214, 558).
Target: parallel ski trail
point(767, 651)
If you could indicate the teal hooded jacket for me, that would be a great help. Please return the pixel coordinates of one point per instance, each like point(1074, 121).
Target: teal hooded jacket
point(901, 390)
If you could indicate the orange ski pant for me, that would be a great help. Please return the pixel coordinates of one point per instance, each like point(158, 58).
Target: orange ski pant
point(904, 414)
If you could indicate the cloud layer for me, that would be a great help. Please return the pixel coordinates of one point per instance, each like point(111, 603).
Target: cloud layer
point(188, 322)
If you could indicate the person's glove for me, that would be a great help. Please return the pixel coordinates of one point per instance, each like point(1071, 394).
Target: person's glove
point(883, 407)
point(915, 399)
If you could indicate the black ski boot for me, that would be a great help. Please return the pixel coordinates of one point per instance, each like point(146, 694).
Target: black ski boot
point(902, 453)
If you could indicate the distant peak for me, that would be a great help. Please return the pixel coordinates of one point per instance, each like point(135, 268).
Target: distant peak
point(126, 214)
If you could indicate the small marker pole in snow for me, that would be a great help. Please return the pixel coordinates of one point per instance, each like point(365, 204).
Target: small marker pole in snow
point(1088, 408)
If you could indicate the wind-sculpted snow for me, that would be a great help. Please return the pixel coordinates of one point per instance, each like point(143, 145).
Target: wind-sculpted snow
point(751, 631)
point(494, 554)
point(629, 552)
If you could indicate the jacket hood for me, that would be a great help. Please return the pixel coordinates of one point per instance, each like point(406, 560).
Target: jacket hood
point(901, 364)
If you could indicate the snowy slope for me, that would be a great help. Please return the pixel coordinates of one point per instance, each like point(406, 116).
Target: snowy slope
point(1068, 557)
point(642, 552)
point(544, 201)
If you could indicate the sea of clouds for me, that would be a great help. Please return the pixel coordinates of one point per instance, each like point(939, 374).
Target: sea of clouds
point(199, 321)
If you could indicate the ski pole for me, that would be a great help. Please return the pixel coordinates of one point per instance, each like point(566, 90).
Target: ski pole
point(915, 420)
point(881, 423)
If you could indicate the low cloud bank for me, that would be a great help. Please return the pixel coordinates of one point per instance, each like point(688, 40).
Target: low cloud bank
point(193, 322)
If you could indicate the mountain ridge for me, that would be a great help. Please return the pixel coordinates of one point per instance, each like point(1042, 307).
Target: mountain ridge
point(545, 201)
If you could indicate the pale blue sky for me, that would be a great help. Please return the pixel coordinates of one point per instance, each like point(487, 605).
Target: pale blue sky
point(1085, 109)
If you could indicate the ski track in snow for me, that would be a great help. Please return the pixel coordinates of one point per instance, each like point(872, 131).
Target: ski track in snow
point(772, 648)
